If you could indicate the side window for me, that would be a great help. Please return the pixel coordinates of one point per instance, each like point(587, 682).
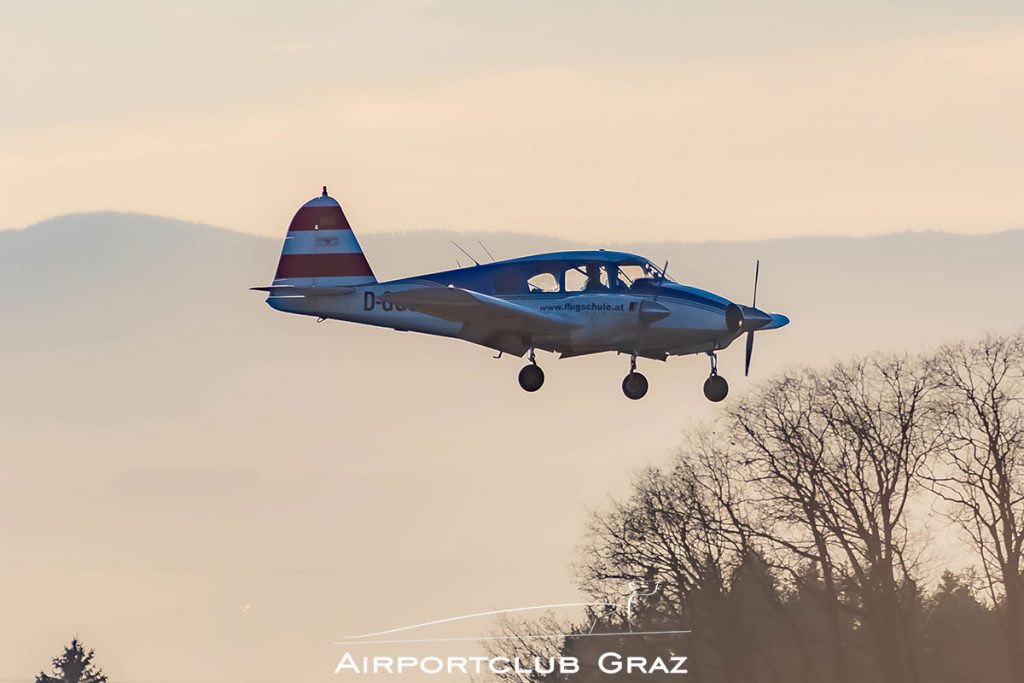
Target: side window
point(591, 277)
point(543, 282)
point(575, 279)
point(630, 274)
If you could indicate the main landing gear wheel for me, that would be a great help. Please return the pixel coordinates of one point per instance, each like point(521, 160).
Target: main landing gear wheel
point(531, 377)
point(715, 386)
point(634, 386)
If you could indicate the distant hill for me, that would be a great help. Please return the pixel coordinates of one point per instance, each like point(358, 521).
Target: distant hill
point(171, 441)
point(887, 291)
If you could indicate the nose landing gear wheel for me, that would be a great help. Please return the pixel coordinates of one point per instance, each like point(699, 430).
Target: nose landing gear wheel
point(634, 386)
point(716, 388)
point(531, 378)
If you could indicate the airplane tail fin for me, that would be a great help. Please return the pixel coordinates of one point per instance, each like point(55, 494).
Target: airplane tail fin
point(321, 250)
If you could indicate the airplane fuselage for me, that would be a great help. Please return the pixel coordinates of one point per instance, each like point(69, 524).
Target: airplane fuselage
point(688, 320)
point(572, 302)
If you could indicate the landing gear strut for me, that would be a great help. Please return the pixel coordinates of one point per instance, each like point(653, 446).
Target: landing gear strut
point(531, 377)
point(634, 386)
point(715, 386)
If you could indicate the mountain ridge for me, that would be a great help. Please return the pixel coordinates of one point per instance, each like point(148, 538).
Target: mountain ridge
point(147, 217)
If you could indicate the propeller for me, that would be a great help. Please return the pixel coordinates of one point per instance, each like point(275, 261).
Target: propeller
point(750, 335)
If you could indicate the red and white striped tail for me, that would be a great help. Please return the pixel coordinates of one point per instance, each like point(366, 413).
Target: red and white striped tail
point(321, 250)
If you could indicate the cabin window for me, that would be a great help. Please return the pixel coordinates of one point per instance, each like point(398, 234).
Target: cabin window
point(543, 282)
point(627, 275)
point(589, 277)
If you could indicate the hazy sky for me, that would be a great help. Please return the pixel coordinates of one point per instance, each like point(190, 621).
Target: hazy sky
point(591, 120)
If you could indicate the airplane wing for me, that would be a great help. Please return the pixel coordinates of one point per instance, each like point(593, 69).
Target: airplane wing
point(487, 315)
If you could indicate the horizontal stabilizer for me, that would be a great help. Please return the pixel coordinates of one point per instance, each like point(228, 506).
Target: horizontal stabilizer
point(290, 290)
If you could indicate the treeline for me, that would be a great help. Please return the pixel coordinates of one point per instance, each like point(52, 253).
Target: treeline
point(801, 535)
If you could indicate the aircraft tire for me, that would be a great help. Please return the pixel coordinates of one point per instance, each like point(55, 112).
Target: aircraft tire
point(716, 388)
point(634, 386)
point(531, 378)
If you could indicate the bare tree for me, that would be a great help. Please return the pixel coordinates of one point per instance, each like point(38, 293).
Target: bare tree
point(539, 640)
point(982, 472)
point(669, 531)
point(677, 533)
point(834, 459)
point(789, 528)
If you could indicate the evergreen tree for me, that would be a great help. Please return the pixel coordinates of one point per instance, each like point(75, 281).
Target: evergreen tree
point(74, 665)
point(962, 642)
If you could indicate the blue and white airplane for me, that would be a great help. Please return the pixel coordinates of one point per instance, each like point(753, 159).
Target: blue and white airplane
point(572, 303)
